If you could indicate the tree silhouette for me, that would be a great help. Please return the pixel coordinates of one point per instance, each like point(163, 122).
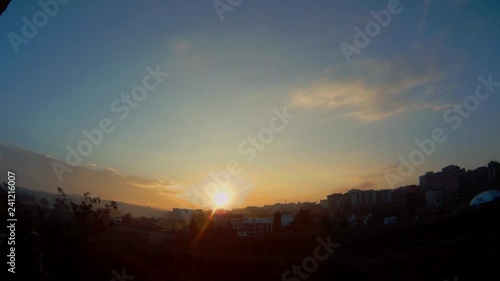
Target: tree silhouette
point(88, 217)
point(193, 228)
point(199, 218)
point(277, 222)
point(43, 202)
point(326, 223)
point(127, 219)
point(3, 6)
point(411, 205)
point(302, 221)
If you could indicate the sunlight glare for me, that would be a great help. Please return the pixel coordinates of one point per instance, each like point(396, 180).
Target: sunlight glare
point(221, 199)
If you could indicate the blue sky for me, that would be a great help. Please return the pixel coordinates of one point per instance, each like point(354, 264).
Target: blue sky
point(352, 121)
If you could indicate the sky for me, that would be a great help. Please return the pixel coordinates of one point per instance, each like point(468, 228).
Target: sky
point(230, 70)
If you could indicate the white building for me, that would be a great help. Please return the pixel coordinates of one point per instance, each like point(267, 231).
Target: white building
point(250, 227)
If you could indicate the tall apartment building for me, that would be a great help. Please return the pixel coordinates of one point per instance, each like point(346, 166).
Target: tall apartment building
point(337, 202)
point(447, 182)
point(454, 182)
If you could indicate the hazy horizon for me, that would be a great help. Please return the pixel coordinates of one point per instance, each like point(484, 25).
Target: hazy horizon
point(105, 192)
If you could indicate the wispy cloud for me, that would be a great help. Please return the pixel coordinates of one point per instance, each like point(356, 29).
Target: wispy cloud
point(374, 89)
point(182, 46)
point(442, 107)
point(423, 20)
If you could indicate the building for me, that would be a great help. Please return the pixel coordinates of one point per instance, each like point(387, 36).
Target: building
point(474, 181)
point(183, 214)
point(355, 198)
point(448, 181)
point(362, 198)
point(323, 204)
point(390, 220)
point(454, 183)
point(400, 194)
point(494, 173)
point(434, 198)
point(480, 179)
point(337, 203)
point(251, 227)
point(227, 221)
point(384, 196)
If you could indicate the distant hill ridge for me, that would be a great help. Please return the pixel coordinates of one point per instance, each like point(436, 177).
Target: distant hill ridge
point(123, 208)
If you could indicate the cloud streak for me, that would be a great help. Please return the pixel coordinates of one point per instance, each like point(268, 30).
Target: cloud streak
point(380, 89)
point(423, 21)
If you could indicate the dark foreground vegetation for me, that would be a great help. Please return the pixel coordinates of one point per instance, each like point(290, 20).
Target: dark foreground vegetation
point(77, 241)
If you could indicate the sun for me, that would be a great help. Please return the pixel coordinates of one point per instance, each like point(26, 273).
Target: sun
point(221, 199)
